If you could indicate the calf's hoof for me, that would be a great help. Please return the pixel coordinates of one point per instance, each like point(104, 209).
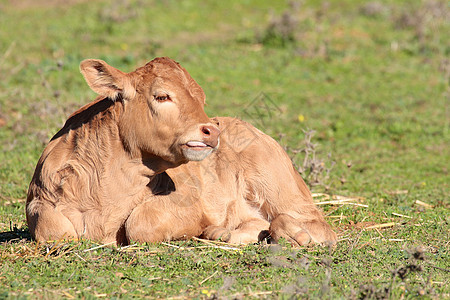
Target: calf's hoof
point(300, 233)
point(216, 233)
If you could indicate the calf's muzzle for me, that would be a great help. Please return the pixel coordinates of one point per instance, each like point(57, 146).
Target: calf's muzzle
point(210, 135)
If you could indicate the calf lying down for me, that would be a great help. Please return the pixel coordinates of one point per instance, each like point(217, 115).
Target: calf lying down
point(248, 187)
point(144, 163)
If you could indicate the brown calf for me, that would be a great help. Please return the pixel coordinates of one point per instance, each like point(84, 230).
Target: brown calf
point(100, 165)
point(245, 189)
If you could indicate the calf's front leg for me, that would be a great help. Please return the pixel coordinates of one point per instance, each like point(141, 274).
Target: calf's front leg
point(247, 232)
point(46, 222)
point(160, 220)
point(301, 232)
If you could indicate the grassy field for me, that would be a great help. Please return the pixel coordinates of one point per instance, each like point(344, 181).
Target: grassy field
point(370, 78)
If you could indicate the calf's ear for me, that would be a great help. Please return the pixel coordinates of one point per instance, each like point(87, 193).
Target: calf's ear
point(105, 80)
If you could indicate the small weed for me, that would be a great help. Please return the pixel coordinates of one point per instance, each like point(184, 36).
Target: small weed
point(120, 11)
point(282, 30)
point(374, 9)
point(314, 170)
point(424, 20)
point(405, 285)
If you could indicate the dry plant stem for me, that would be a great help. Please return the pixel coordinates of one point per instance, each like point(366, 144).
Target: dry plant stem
point(421, 203)
point(208, 278)
point(385, 225)
point(400, 215)
point(98, 247)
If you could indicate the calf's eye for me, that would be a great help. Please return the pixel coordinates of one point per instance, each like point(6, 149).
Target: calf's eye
point(162, 98)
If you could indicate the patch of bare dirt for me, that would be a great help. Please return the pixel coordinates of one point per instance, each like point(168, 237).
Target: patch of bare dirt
point(2, 121)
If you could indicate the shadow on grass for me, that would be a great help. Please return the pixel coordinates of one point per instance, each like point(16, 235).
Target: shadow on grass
point(15, 235)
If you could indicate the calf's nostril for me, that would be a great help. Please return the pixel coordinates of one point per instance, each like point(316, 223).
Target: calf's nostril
point(206, 130)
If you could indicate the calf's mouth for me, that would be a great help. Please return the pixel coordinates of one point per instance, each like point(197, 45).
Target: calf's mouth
point(198, 150)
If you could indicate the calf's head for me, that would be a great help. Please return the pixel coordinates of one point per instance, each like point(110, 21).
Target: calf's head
point(162, 114)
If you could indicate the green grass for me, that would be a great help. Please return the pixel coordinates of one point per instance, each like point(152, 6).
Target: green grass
point(373, 82)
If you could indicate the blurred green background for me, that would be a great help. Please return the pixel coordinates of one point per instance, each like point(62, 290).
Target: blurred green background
point(371, 78)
